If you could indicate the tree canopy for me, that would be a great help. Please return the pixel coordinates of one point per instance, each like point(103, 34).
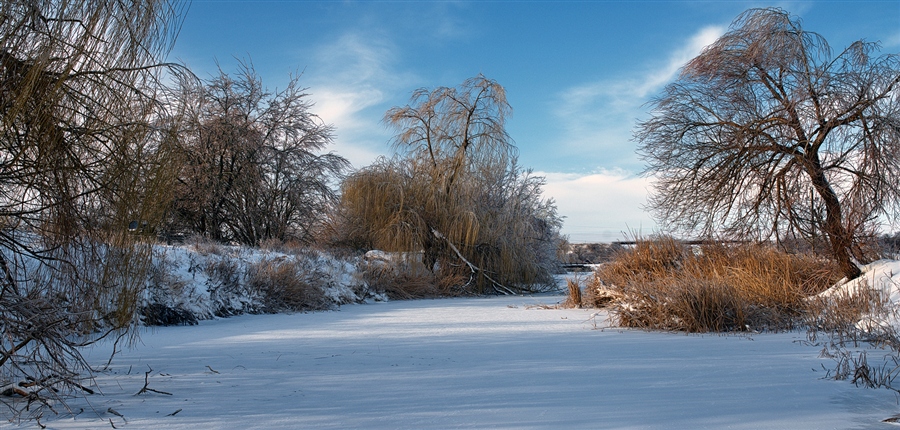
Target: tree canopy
point(252, 167)
point(768, 134)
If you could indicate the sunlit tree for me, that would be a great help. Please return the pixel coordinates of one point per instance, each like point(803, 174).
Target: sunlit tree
point(456, 193)
point(767, 134)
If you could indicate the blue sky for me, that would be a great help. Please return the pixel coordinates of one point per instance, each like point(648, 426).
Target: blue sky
point(577, 73)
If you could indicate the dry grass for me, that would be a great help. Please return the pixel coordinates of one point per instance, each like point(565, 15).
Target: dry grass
point(285, 285)
point(850, 319)
point(407, 278)
point(574, 298)
point(837, 315)
point(663, 284)
point(205, 246)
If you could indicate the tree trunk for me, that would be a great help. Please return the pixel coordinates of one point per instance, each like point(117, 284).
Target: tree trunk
point(839, 238)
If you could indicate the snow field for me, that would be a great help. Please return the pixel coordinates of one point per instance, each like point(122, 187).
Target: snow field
point(467, 363)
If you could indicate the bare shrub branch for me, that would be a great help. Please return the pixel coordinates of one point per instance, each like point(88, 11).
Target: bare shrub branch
point(253, 163)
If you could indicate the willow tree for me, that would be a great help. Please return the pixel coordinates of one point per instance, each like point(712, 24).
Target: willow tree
point(455, 192)
point(767, 134)
point(81, 132)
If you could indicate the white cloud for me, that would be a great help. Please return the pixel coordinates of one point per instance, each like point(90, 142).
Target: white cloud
point(600, 207)
point(598, 119)
point(656, 79)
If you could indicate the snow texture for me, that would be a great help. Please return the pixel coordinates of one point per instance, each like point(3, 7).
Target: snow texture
point(502, 362)
point(884, 277)
point(206, 281)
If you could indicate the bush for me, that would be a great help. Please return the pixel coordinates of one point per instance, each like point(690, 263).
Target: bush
point(286, 285)
point(165, 291)
point(188, 283)
point(664, 284)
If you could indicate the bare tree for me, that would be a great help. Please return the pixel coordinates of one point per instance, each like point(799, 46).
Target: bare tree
point(464, 126)
point(767, 134)
point(455, 193)
point(80, 122)
point(252, 163)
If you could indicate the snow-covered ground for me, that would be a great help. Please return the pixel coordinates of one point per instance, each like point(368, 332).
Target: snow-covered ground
point(466, 363)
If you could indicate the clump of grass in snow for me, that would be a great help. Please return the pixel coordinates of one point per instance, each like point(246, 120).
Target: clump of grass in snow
point(663, 284)
point(846, 316)
point(574, 298)
point(854, 317)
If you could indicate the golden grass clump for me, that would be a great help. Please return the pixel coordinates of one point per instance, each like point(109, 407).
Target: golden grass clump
point(664, 284)
point(574, 299)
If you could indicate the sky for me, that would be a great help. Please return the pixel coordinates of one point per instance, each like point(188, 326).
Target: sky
point(578, 74)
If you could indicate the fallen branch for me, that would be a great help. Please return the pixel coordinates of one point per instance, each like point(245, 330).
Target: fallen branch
point(116, 413)
point(497, 286)
point(147, 383)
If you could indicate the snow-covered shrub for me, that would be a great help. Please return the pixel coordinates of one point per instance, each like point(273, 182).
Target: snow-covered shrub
point(187, 283)
point(165, 295)
point(227, 287)
point(205, 246)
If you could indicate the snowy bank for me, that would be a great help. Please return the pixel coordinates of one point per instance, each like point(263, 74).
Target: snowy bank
point(880, 280)
point(203, 281)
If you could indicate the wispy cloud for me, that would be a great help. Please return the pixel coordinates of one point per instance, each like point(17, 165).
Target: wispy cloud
point(598, 117)
point(892, 41)
point(353, 83)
